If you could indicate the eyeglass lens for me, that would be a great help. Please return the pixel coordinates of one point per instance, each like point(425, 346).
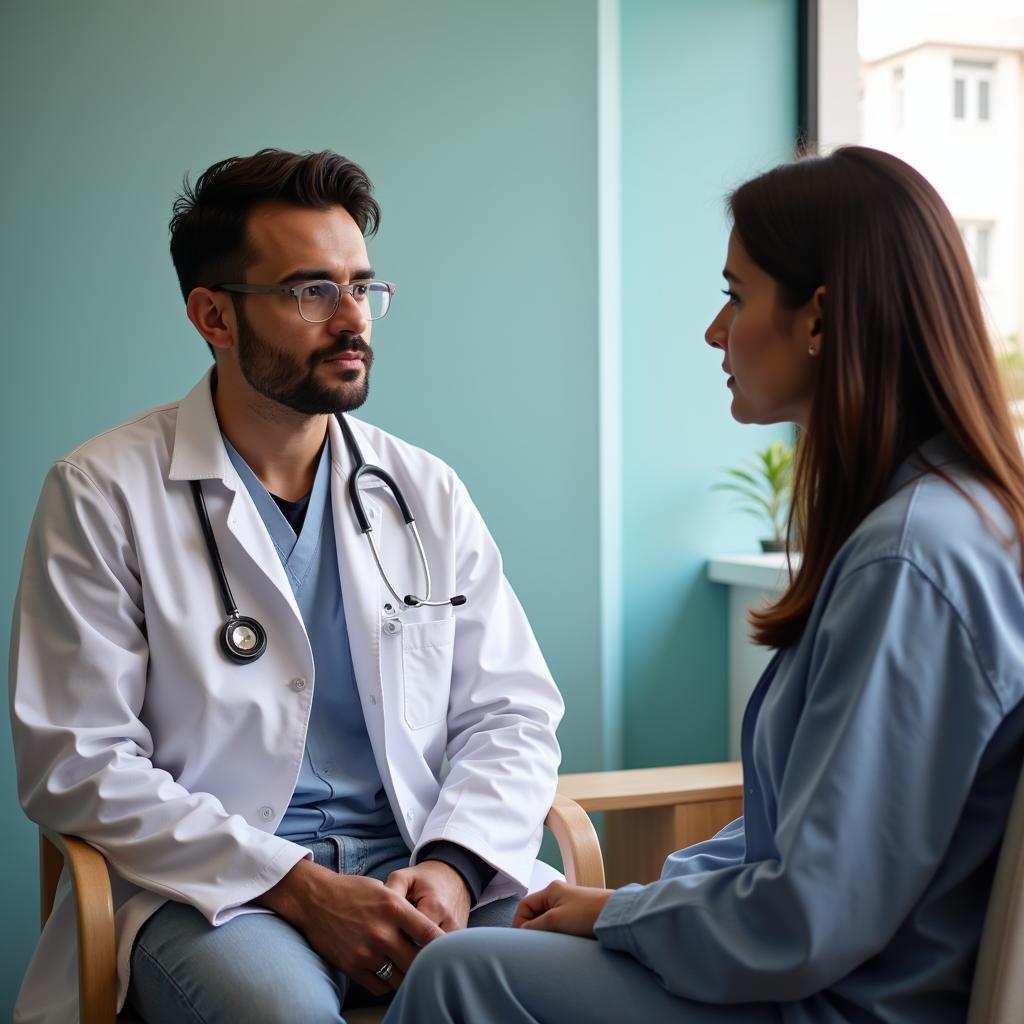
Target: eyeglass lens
point(318, 300)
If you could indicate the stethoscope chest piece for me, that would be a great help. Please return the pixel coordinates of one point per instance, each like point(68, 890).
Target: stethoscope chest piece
point(243, 639)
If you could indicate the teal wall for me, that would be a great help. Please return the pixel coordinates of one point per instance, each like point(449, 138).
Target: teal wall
point(492, 131)
point(708, 99)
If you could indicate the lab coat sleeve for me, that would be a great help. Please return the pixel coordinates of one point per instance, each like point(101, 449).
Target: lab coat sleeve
point(78, 682)
point(502, 714)
point(897, 714)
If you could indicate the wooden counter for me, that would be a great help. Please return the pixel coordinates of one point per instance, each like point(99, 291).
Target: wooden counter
point(649, 812)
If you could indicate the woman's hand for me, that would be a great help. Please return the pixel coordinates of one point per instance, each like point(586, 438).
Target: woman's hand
point(569, 909)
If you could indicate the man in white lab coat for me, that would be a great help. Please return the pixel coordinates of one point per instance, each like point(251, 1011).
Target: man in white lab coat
point(261, 753)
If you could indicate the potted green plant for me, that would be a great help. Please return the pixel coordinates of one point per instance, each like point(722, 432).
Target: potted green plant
point(762, 486)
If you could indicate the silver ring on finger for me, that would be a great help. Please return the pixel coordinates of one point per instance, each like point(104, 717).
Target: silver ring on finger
point(385, 971)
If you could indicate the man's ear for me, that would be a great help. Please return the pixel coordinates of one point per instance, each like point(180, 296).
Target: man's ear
point(213, 316)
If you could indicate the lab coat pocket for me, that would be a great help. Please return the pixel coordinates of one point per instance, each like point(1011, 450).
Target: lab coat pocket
point(427, 649)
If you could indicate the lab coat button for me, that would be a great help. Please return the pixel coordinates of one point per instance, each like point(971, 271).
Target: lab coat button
point(408, 816)
point(373, 700)
point(392, 628)
point(266, 813)
point(298, 683)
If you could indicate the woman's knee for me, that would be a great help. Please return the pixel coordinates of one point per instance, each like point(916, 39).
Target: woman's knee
point(454, 954)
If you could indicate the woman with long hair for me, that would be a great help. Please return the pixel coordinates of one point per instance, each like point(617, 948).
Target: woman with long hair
point(882, 745)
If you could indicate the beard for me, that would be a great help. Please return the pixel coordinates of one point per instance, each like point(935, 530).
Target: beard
point(280, 376)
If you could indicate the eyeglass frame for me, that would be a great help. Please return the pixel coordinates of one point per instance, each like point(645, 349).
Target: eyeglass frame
point(296, 289)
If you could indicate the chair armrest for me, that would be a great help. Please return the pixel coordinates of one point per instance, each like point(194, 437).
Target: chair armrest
point(94, 908)
point(577, 842)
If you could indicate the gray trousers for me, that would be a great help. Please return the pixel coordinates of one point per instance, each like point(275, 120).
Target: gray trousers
point(510, 976)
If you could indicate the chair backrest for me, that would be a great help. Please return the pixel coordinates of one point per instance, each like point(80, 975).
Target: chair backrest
point(997, 996)
point(51, 861)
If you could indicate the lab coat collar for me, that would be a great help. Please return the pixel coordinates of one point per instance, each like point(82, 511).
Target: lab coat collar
point(341, 458)
point(199, 452)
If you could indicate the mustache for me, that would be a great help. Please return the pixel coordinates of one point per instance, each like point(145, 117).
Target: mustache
point(351, 344)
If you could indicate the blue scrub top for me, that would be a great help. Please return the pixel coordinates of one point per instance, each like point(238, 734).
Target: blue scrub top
point(880, 758)
point(339, 789)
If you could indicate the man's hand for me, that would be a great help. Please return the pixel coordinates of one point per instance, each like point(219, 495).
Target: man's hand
point(569, 909)
point(354, 923)
point(436, 890)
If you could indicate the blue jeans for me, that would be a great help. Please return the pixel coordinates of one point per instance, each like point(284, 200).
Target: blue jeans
point(257, 967)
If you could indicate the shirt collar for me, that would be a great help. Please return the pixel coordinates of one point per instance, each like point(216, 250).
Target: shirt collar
point(937, 451)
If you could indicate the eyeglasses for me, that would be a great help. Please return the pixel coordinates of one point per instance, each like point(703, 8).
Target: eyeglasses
point(319, 300)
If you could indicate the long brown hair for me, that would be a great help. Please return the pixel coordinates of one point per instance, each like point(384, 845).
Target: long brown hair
point(905, 351)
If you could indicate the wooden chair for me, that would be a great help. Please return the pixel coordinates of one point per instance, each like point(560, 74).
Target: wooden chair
point(97, 968)
point(997, 996)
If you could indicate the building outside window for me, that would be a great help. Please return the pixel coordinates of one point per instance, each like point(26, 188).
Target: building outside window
point(941, 85)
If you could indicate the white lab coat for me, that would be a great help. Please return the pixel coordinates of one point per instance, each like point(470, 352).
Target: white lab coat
point(134, 731)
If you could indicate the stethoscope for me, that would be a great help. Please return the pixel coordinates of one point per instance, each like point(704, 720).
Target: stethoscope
point(242, 638)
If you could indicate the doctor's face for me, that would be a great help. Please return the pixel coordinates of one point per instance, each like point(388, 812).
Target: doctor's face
point(310, 368)
point(767, 349)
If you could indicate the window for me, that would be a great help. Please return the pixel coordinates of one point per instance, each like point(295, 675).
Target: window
point(983, 90)
point(959, 98)
point(982, 236)
point(897, 96)
point(972, 90)
point(978, 239)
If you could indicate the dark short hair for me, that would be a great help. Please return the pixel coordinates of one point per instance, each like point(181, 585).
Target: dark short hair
point(208, 227)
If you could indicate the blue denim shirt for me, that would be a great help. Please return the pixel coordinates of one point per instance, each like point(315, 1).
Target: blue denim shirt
point(880, 756)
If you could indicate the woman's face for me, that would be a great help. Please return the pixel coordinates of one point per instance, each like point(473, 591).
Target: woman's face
point(771, 354)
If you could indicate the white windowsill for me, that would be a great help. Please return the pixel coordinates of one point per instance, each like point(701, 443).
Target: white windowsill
point(762, 572)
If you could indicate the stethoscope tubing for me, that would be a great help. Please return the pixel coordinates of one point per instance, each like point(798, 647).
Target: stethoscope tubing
point(363, 468)
point(242, 638)
point(228, 599)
